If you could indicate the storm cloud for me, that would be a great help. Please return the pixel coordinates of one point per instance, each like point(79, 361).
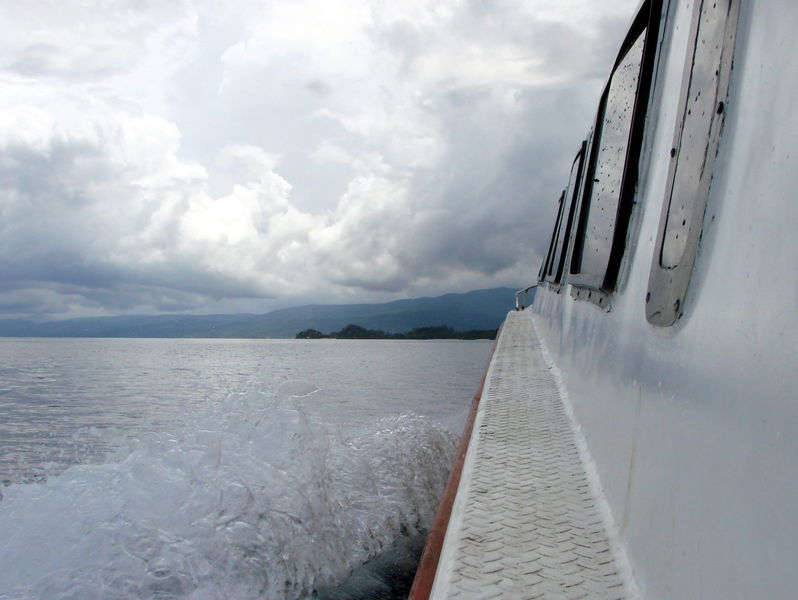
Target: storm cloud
point(180, 156)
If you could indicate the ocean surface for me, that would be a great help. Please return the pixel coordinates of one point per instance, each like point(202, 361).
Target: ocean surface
point(236, 469)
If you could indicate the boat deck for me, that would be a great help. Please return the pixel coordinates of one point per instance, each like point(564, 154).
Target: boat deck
point(526, 521)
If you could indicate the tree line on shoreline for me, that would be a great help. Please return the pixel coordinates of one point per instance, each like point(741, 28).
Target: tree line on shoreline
point(438, 332)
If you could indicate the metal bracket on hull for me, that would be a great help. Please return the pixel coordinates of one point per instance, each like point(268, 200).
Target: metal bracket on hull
point(601, 299)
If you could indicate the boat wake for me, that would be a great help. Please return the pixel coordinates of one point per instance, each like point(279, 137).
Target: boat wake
point(250, 498)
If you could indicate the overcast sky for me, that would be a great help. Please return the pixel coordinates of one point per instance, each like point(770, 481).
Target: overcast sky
point(193, 156)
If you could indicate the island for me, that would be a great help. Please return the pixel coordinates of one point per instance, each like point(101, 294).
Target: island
point(438, 332)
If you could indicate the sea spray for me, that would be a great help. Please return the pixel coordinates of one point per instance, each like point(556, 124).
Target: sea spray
point(249, 498)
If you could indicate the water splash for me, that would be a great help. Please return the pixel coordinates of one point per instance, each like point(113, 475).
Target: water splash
point(250, 498)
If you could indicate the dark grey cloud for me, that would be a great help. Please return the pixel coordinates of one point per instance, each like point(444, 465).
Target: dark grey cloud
point(186, 158)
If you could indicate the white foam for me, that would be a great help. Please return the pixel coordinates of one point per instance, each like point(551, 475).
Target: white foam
point(248, 499)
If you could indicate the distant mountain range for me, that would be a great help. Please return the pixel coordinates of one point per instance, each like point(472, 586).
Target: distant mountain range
point(480, 309)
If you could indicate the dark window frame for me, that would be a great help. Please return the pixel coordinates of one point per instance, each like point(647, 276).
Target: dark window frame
point(647, 20)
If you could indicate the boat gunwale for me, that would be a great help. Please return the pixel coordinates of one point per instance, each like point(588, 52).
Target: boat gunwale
point(430, 556)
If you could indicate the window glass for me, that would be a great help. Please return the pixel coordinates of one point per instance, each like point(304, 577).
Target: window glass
point(555, 241)
point(568, 210)
point(610, 161)
point(544, 268)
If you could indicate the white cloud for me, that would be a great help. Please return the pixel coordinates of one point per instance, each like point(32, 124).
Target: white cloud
point(328, 152)
point(174, 156)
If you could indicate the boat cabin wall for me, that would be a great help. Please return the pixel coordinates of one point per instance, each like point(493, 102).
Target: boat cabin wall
point(694, 426)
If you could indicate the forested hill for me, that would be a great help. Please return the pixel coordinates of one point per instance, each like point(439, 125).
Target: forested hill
point(480, 309)
point(441, 332)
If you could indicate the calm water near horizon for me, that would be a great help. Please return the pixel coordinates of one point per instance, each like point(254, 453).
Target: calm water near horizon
point(184, 468)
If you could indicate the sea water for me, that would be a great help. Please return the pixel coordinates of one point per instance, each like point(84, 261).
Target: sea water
point(224, 468)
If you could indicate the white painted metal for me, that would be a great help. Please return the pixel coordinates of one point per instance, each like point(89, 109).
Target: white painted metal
point(521, 304)
point(526, 522)
point(694, 428)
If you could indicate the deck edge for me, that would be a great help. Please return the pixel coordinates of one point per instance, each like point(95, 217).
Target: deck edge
point(430, 556)
point(625, 568)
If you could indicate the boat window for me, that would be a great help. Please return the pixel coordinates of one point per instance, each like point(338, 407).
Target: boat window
point(557, 240)
point(545, 273)
point(605, 190)
point(542, 269)
point(696, 139)
point(567, 212)
point(608, 195)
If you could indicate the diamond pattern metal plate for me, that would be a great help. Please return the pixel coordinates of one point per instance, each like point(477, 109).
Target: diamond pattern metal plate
point(525, 523)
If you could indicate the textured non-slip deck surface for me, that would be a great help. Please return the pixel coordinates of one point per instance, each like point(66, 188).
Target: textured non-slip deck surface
point(525, 523)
